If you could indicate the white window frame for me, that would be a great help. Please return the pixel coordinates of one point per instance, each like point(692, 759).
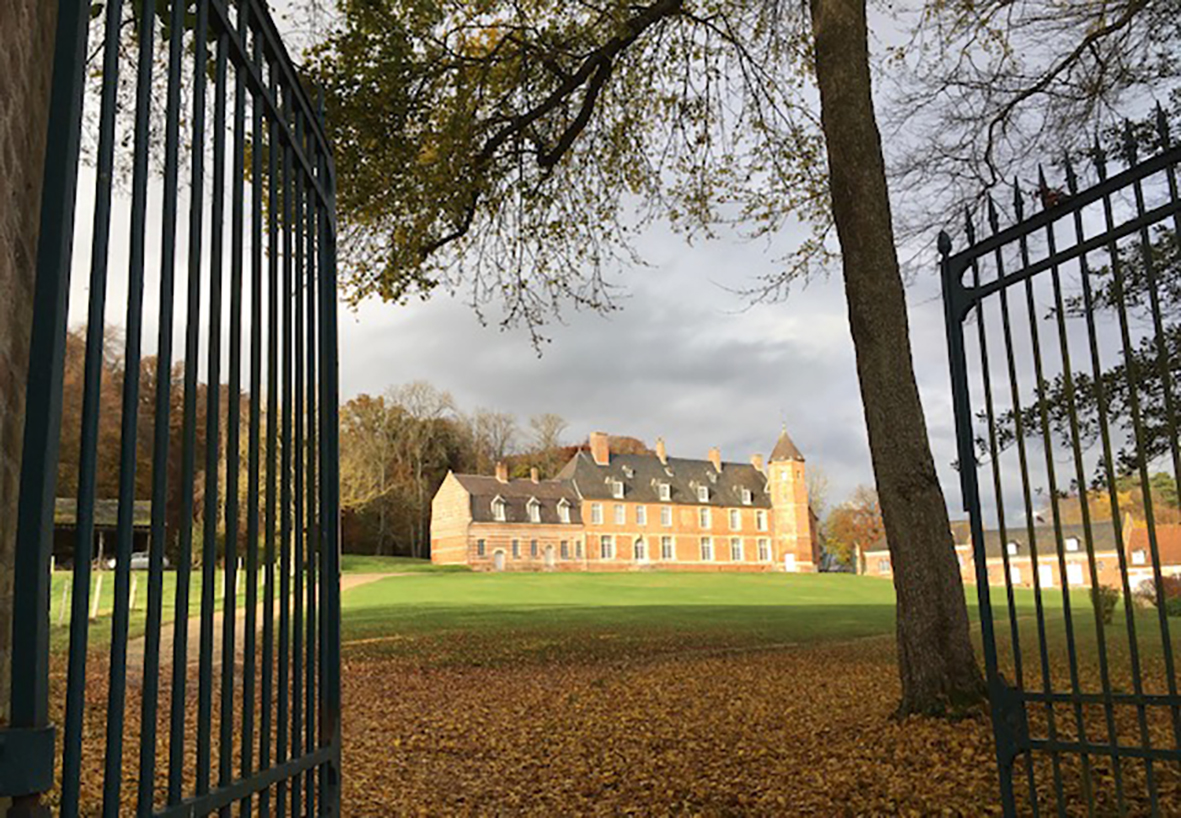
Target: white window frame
point(617, 489)
point(563, 511)
point(1012, 548)
point(707, 549)
point(534, 510)
point(499, 509)
point(578, 549)
point(761, 520)
point(1074, 574)
point(1072, 543)
point(666, 516)
point(668, 548)
point(596, 513)
point(516, 549)
point(736, 554)
point(735, 520)
point(764, 545)
point(1045, 576)
point(1014, 574)
point(664, 490)
point(564, 549)
point(704, 519)
point(639, 550)
point(620, 514)
point(641, 515)
point(481, 548)
point(533, 549)
point(747, 497)
point(703, 494)
point(606, 547)
point(1139, 557)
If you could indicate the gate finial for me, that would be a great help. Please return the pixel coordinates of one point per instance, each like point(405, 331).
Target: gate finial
point(1099, 157)
point(1018, 201)
point(1130, 151)
point(1071, 179)
point(993, 219)
point(969, 226)
point(1162, 127)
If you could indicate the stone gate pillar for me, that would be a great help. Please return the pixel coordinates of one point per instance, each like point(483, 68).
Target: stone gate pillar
point(26, 63)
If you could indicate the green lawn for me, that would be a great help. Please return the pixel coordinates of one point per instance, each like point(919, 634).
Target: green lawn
point(369, 564)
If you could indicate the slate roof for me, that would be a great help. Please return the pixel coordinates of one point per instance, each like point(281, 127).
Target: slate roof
point(106, 513)
point(1102, 536)
point(785, 449)
point(516, 494)
point(641, 475)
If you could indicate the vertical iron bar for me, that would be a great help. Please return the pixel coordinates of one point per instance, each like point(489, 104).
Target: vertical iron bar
point(297, 592)
point(233, 436)
point(313, 537)
point(113, 768)
point(253, 446)
point(91, 410)
point(180, 622)
point(285, 480)
point(268, 631)
point(212, 426)
point(163, 418)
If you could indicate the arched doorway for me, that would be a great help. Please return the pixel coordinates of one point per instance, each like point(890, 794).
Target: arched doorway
point(498, 561)
point(550, 559)
point(640, 550)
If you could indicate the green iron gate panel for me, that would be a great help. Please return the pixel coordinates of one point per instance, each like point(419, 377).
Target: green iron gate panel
point(208, 186)
point(1065, 355)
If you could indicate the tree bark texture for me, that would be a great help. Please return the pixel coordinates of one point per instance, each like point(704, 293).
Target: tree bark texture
point(936, 662)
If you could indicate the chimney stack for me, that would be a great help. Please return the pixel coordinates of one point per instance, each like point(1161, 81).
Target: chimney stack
point(502, 471)
point(660, 451)
point(600, 448)
point(756, 460)
point(715, 457)
point(533, 475)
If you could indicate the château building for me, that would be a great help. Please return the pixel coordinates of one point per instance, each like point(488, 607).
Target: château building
point(609, 511)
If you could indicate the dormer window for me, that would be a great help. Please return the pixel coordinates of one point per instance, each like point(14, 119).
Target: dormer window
point(498, 509)
point(668, 470)
point(563, 510)
point(534, 510)
point(713, 476)
point(747, 498)
point(1012, 549)
point(629, 472)
point(1072, 543)
point(616, 488)
point(703, 494)
point(665, 491)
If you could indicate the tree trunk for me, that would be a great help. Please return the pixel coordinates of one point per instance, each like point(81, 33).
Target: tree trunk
point(935, 658)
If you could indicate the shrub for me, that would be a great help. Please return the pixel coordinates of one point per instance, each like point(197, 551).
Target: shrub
point(1173, 606)
point(1104, 598)
point(1146, 591)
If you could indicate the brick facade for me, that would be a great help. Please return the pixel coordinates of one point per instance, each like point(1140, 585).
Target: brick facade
point(756, 519)
point(26, 53)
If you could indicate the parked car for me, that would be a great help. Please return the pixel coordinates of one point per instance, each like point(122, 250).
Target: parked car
point(139, 561)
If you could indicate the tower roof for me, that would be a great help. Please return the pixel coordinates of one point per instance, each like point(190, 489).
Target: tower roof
point(785, 449)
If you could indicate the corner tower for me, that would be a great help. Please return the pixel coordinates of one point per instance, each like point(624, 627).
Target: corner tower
point(792, 523)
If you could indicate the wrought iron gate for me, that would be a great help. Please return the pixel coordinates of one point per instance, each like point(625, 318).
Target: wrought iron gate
point(1065, 355)
point(198, 108)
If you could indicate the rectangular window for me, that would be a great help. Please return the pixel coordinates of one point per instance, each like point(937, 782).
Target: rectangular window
point(1074, 573)
point(665, 491)
point(640, 549)
point(735, 519)
point(565, 549)
point(761, 520)
point(516, 549)
point(641, 515)
point(479, 548)
point(1072, 543)
point(666, 516)
point(746, 497)
point(620, 514)
point(666, 548)
point(498, 510)
point(596, 513)
point(578, 549)
point(1139, 557)
point(1012, 549)
point(616, 488)
point(564, 513)
point(1045, 575)
point(535, 512)
point(764, 550)
point(735, 549)
point(1014, 575)
point(703, 518)
point(883, 566)
point(533, 548)
point(606, 547)
point(703, 494)
point(707, 549)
